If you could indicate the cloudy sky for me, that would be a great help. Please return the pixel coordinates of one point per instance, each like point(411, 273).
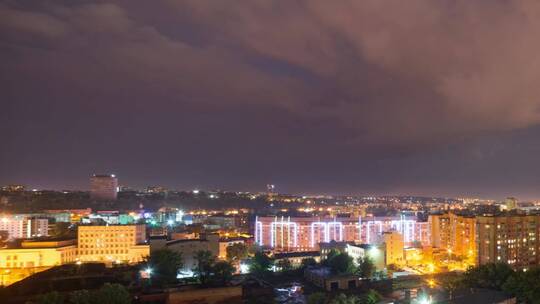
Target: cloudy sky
point(360, 97)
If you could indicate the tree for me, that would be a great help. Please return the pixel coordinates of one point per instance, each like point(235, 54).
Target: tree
point(237, 252)
point(223, 272)
point(524, 285)
point(308, 262)
point(284, 265)
point(451, 284)
point(333, 253)
point(317, 298)
point(491, 276)
point(165, 265)
point(52, 297)
point(254, 248)
point(260, 264)
point(203, 269)
point(61, 229)
point(112, 294)
point(341, 263)
point(366, 268)
point(371, 297)
point(343, 299)
point(80, 297)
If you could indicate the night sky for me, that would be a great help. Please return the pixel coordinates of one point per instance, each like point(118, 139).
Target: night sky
point(340, 97)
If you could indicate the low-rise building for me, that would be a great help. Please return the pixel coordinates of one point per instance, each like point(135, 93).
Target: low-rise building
point(188, 248)
point(228, 294)
point(33, 256)
point(357, 251)
point(324, 278)
point(296, 258)
point(226, 242)
point(112, 243)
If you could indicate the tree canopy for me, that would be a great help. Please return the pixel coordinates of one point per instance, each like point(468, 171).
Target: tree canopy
point(260, 264)
point(203, 268)
point(165, 265)
point(341, 263)
point(491, 276)
point(237, 252)
point(222, 272)
point(284, 265)
point(366, 268)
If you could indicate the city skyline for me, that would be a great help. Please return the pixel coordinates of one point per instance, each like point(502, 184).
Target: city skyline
point(361, 98)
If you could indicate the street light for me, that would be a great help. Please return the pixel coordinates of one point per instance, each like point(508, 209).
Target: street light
point(424, 300)
point(373, 252)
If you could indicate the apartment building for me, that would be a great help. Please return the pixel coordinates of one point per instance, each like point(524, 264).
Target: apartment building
point(508, 238)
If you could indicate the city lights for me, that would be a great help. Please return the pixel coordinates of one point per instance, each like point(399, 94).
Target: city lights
point(314, 230)
point(274, 236)
point(275, 151)
point(424, 299)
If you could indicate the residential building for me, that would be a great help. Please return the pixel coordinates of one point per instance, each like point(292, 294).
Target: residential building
point(393, 243)
point(305, 233)
point(510, 238)
point(454, 233)
point(20, 226)
point(14, 227)
point(37, 227)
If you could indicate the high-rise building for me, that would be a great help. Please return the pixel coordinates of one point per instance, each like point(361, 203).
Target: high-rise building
point(37, 227)
point(13, 226)
point(305, 233)
point(112, 243)
point(454, 233)
point(103, 187)
point(393, 242)
point(19, 227)
point(508, 238)
point(510, 203)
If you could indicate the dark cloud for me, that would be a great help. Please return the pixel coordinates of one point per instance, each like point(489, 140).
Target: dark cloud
point(348, 96)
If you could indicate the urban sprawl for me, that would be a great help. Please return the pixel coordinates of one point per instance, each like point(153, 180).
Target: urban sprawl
point(421, 241)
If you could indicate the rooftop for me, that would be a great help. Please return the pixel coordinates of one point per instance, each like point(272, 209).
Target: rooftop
point(298, 254)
